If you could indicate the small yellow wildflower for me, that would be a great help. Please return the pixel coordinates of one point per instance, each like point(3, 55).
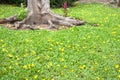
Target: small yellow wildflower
point(52, 79)
point(61, 43)
point(114, 32)
point(1, 40)
point(62, 59)
point(51, 45)
point(116, 66)
point(10, 67)
point(118, 70)
point(25, 55)
point(119, 76)
point(89, 36)
point(3, 45)
point(104, 42)
point(36, 76)
point(50, 64)
point(97, 78)
point(72, 70)
point(32, 65)
point(50, 40)
point(51, 49)
point(18, 58)
point(10, 55)
point(17, 63)
point(29, 66)
point(58, 65)
point(82, 67)
point(57, 43)
point(25, 67)
point(105, 69)
point(62, 49)
point(76, 75)
point(104, 57)
point(26, 79)
point(33, 52)
point(65, 66)
point(4, 50)
point(72, 30)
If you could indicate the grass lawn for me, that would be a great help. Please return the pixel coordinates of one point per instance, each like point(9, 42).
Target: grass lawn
point(78, 53)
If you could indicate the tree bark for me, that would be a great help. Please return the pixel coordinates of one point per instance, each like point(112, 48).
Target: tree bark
point(118, 4)
point(39, 13)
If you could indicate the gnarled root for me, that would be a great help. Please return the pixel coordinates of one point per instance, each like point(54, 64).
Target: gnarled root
point(50, 19)
point(11, 19)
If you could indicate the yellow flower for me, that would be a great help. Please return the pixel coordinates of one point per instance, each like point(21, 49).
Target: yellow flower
point(18, 58)
point(36, 76)
point(50, 40)
point(72, 70)
point(89, 36)
point(1, 40)
point(25, 67)
point(52, 79)
point(26, 78)
point(119, 76)
point(76, 75)
point(57, 43)
point(4, 50)
point(82, 67)
point(50, 64)
point(116, 66)
point(10, 67)
point(10, 55)
point(51, 45)
point(3, 45)
point(114, 32)
point(62, 59)
point(105, 69)
point(104, 42)
point(72, 30)
point(61, 43)
point(51, 49)
point(65, 66)
point(29, 66)
point(104, 57)
point(33, 52)
point(32, 65)
point(98, 78)
point(62, 49)
point(118, 70)
point(25, 55)
point(17, 63)
point(58, 65)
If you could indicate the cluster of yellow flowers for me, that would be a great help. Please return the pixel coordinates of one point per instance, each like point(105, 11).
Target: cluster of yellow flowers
point(29, 66)
point(83, 67)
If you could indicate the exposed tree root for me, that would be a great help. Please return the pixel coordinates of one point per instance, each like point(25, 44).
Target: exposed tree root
point(11, 19)
point(50, 20)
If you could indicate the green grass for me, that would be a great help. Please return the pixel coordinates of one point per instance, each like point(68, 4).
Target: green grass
point(78, 53)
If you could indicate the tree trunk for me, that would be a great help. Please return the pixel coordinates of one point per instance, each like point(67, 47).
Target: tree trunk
point(118, 3)
point(39, 13)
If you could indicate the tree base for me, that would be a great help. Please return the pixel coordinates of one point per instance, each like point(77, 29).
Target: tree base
point(42, 21)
